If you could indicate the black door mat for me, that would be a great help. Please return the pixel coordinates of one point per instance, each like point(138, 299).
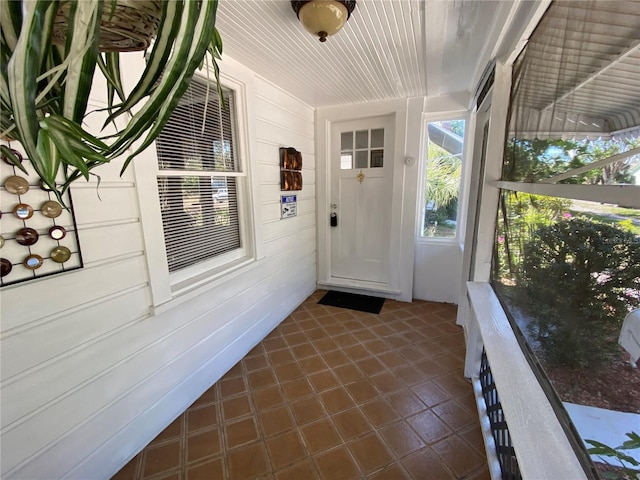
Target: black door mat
point(352, 301)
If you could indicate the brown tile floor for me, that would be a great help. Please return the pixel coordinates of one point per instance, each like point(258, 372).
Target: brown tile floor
point(333, 394)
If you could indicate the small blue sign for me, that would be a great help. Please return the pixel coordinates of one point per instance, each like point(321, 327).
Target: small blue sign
point(288, 206)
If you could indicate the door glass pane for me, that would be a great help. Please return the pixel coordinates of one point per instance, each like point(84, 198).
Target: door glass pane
point(377, 138)
point(346, 140)
point(362, 139)
point(377, 158)
point(346, 161)
point(361, 159)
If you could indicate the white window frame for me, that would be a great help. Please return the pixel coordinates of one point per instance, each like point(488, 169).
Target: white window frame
point(169, 289)
point(422, 171)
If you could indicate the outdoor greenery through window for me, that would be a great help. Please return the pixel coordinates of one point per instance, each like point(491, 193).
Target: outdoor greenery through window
point(568, 273)
point(199, 177)
point(566, 259)
point(445, 141)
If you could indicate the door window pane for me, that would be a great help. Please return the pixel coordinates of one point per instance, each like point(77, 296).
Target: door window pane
point(346, 141)
point(377, 159)
point(377, 138)
point(361, 159)
point(346, 161)
point(362, 139)
point(442, 179)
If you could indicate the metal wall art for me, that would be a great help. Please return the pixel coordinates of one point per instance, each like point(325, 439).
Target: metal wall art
point(38, 235)
point(290, 169)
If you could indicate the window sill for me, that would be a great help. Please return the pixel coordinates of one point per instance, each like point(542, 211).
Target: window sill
point(188, 289)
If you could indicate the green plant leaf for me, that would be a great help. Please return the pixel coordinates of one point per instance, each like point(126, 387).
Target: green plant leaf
point(169, 26)
point(198, 48)
point(82, 32)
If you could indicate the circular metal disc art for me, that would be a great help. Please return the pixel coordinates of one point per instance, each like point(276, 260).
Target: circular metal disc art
point(33, 262)
point(23, 211)
point(60, 254)
point(57, 232)
point(26, 236)
point(51, 209)
point(5, 267)
point(16, 185)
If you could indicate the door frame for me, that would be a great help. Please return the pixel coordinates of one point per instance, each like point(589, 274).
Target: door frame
point(407, 114)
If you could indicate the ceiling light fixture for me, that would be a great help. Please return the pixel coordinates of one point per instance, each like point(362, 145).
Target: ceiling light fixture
point(323, 17)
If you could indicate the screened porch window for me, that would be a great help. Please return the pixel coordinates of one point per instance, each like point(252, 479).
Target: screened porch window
point(566, 260)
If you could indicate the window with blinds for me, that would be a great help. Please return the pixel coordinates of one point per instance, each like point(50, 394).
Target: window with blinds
point(198, 178)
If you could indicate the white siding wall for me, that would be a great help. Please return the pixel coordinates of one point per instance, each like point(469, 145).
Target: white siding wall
point(89, 376)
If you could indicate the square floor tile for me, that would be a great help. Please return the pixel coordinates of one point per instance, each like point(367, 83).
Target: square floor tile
point(401, 439)
point(162, 458)
point(320, 436)
point(285, 450)
point(429, 426)
point(276, 420)
point(302, 471)
point(241, 433)
point(370, 453)
point(248, 462)
point(336, 464)
point(203, 445)
point(307, 410)
point(236, 407)
point(351, 423)
point(336, 400)
point(211, 470)
point(203, 417)
point(380, 412)
point(267, 398)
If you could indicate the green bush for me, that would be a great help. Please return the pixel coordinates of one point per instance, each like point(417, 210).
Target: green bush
point(581, 278)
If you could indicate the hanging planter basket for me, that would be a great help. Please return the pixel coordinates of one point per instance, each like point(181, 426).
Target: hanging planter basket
point(126, 25)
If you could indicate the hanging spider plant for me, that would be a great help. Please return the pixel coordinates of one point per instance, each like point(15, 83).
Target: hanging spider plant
point(44, 86)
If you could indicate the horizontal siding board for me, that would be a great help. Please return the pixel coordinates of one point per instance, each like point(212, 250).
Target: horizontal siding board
point(104, 242)
point(65, 291)
point(276, 113)
point(266, 90)
point(290, 138)
point(104, 205)
point(66, 331)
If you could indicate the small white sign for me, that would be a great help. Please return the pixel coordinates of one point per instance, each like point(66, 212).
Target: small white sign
point(288, 206)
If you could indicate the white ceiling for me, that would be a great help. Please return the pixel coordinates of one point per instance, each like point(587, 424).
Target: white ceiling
point(388, 48)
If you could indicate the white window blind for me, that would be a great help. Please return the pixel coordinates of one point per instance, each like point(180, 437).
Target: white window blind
point(198, 179)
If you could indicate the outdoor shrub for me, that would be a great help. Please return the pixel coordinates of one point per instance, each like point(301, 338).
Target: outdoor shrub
point(581, 278)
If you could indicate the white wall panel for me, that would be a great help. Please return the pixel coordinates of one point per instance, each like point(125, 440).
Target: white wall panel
point(89, 376)
point(436, 272)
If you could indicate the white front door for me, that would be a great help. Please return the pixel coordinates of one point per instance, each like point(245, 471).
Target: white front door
point(361, 168)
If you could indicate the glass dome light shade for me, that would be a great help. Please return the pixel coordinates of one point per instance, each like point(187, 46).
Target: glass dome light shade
point(323, 17)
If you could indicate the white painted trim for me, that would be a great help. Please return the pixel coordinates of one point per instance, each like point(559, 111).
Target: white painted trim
point(483, 241)
point(167, 287)
point(365, 288)
point(400, 255)
point(623, 195)
point(539, 440)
